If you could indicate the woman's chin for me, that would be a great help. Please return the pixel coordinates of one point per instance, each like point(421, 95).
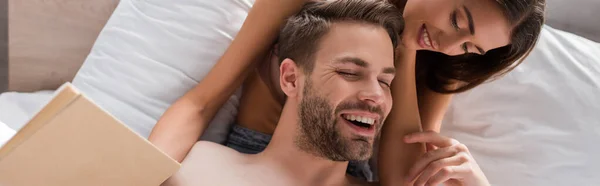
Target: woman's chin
point(409, 42)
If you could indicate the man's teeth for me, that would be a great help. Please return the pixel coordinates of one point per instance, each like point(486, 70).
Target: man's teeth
point(426, 37)
point(361, 119)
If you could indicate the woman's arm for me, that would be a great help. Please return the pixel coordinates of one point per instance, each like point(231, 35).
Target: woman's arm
point(395, 157)
point(412, 111)
point(432, 107)
point(182, 124)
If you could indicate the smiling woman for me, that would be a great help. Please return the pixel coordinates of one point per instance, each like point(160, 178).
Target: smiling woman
point(442, 31)
point(450, 27)
point(469, 41)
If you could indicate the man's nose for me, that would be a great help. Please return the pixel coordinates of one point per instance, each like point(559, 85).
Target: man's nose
point(372, 93)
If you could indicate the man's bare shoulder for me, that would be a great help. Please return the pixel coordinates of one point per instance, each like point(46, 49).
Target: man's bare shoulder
point(212, 155)
point(207, 163)
point(203, 148)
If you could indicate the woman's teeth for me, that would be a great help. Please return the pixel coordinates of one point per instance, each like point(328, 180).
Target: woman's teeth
point(426, 38)
point(361, 119)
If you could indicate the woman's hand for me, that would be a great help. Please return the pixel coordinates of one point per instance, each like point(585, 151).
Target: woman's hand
point(450, 162)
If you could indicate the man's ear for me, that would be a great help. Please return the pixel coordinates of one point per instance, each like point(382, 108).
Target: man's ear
point(288, 77)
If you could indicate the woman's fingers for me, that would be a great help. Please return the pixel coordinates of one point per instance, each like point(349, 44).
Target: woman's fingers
point(443, 169)
point(450, 163)
point(430, 147)
point(428, 158)
point(447, 173)
point(430, 137)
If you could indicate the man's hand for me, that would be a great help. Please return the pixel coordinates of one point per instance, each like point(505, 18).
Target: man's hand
point(449, 162)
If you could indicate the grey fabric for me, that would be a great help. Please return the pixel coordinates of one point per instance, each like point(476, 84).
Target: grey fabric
point(580, 17)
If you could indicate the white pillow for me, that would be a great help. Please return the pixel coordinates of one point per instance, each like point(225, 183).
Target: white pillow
point(540, 124)
point(153, 51)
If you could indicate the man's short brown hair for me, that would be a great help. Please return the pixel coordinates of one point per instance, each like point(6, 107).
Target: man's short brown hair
point(299, 38)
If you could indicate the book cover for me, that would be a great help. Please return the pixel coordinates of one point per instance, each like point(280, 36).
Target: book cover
point(72, 141)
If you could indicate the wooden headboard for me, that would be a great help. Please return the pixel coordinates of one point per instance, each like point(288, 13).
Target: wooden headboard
point(50, 39)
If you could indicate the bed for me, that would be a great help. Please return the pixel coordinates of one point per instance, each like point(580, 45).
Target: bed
point(535, 126)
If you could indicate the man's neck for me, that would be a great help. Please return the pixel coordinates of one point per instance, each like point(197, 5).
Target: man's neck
point(303, 168)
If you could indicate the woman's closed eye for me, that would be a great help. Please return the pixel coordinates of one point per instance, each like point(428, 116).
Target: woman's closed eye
point(454, 22)
point(465, 48)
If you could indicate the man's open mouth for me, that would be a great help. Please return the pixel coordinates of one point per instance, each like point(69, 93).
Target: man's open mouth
point(360, 121)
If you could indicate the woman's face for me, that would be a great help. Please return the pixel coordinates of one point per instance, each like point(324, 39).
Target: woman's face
point(454, 27)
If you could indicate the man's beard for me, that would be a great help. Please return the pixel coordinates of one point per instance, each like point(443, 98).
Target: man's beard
point(319, 132)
